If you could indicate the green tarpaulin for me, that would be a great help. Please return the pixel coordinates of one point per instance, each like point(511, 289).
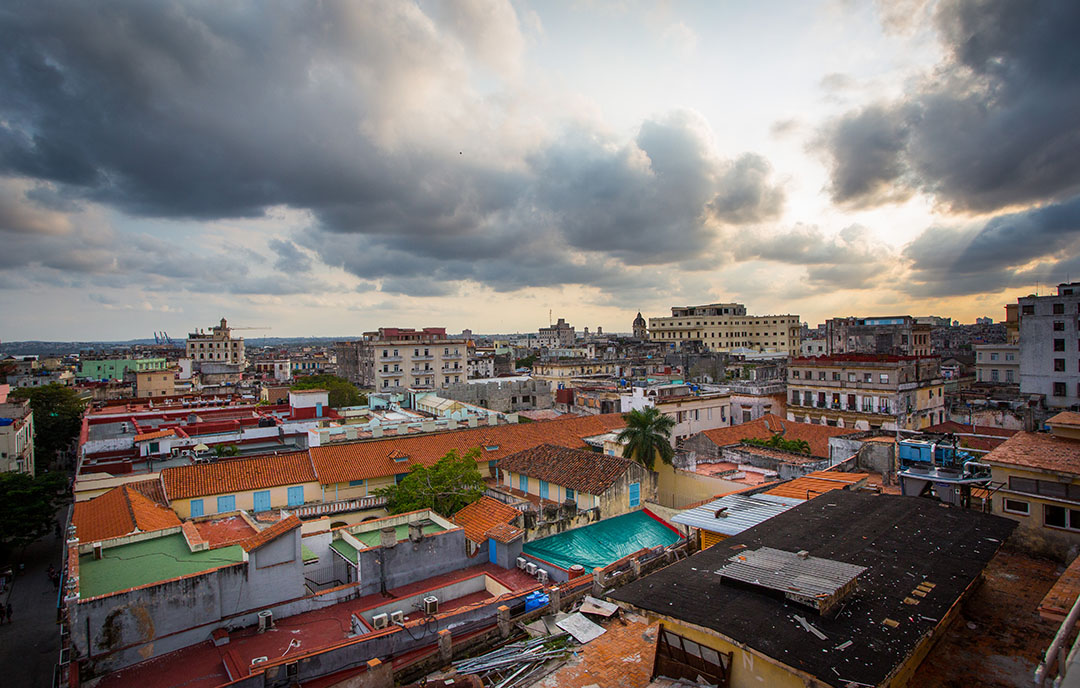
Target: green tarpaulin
point(601, 543)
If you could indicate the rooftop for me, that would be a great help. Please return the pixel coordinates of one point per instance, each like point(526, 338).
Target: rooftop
point(818, 483)
point(1039, 451)
point(220, 532)
point(604, 542)
point(159, 559)
point(231, 475)
point(817, 436)
point(734, 513)
point(578, 469)
point(120, 511)
point(903, 542)
point(367, 459)
point(482, 515)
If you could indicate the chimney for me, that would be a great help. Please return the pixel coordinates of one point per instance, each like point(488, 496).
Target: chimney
point(416, 531)
point(97, 551)
point(388, 537)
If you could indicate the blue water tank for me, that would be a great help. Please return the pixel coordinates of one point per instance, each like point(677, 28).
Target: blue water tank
point(535, 600)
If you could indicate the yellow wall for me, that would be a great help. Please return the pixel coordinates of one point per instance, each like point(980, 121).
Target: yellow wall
point(556, 493)
point(677, 488)
point(1032, 533)
point(245, 499)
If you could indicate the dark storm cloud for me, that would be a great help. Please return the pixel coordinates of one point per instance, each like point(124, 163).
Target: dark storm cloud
point(210, 110)
point(995, 125)
point(1013, 250)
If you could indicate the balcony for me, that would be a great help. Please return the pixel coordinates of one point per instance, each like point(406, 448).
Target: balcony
point(423, 371)
point(389, 358)
point(453, 369)
point(452, 355)
point(327, 508)
point(393, 373)
point(423, 357)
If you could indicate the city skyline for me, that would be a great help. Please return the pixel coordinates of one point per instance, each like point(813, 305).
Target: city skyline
point(329, 170)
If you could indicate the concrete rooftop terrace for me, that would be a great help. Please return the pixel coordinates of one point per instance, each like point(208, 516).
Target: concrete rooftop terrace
point(146, 562)
point(207, 666)
point(371, 538)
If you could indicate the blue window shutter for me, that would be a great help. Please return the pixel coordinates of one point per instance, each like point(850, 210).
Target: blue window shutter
point(226, 503)
point(543, 489)
point(523, 483)
point(570, 494)
point(635, 494)
point(196, 508)
point(296, 495)
point(262, 500)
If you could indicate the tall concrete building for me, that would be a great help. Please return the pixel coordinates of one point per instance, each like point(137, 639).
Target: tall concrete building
point(899, 335)
point(559, 335)
point(1050, 346)
point(216, 346)
point(398, 358)
point(726, 326)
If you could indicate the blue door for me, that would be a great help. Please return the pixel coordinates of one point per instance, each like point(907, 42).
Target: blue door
point(543, 489)
point(318, 409)
point(635, 494)
point(262, 501)
point(227, 503)
point(491, 551)
point(523, 483)
point(296, 495)
point(196, 508)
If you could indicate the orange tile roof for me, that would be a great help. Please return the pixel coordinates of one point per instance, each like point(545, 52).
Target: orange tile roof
point(578, 469)
point(1038, 450)
point(482, 515)
point(156, 435)
point(1062, 595)
point(368, 459)
point(1067, 418)
point(120, 511)
point(505, 533)
point(813, 484)
point(817, 436)
point(235, 475)
point(265, 535)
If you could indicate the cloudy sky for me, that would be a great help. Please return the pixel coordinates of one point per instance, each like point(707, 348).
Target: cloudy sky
point(328, 168)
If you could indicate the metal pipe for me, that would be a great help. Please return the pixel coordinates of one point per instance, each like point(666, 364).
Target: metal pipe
point(1055, 647)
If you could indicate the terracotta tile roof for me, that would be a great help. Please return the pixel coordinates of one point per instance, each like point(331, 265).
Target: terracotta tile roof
point(780, 454)
point(1038, 450)
point(578, 469)
point(813, 484)
point(1059, 600)
point(368, 459)
point(120, 511)
point(234, 475)
point(1068, 418)
point(817, 436)
point(265, 535)
point(156, 435)
point(151, 489)
point(482, 515)
point(505, 533)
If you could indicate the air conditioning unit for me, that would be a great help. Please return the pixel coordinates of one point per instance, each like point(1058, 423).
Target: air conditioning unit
point(380, 621)
point(259, 660)
point(397, 617)
point(431, 605)
point(530, 569)
point(266, 620)
point(521, 561)
point(542, 575)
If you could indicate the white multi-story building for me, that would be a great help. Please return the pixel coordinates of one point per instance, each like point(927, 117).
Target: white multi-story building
point(397, 358)
point(726, 326)
point(997, 363)
point(1050, 346)
point(217, 346)
point(559, 335)
point(16, 437)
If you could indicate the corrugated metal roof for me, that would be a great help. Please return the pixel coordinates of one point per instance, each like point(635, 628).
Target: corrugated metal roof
point(741, 513)
point(786, 571)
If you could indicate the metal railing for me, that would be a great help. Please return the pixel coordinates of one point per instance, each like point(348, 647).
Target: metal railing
point(1055, 654)
point(341, 505)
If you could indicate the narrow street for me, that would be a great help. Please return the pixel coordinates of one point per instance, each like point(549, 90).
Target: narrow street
point(30, 643)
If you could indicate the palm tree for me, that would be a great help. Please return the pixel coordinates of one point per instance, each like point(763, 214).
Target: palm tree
point(647, 435)
point(800, 446)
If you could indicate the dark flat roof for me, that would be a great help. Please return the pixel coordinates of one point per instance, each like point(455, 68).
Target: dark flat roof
point(902, 541)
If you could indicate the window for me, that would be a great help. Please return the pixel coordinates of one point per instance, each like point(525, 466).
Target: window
point(868, 377)
point(1008, 376)
point(1028, 310)
point(1059, 345)
point(523, 483)
point(993, 357)
point(635, 494)
point(1059, 309)
point(836, 376)
point(1059, 366)
point(356, 483)
point(543, 489)
point(1015, 506)
point(795, 398)
point(1059, 326)
point(795, 374)
point(851, 377)
point(994, 375)
point(399, 477)
point(821, 375)
point(1059, 389)
point(196, 508)
point(883, 378)
point(1060, 517)
point(570, 494)
point(226, 503)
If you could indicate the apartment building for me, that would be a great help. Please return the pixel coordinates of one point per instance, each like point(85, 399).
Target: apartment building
point(217, 346)
point(867, 391)
point(560, 373)
point(396, 358)
point(115, 368)
point(16, 437)
point(155, 383)
point(693, 411)
point(1050, 346)
point(726, 326)
point(561, 334)
point(997, 363)
point(900, 335)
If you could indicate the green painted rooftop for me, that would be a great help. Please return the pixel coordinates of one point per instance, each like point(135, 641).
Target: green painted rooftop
point(344, 549)
point(371, 537)
point(146, 562)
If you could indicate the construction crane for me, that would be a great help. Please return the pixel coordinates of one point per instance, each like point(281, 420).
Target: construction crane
point(162, 338)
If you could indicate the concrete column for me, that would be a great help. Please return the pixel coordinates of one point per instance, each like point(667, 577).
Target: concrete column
point(598, 582)
point(635, 567)
point(504, 620)
point(379, 675)
point(555, 599)
point(446, 645)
